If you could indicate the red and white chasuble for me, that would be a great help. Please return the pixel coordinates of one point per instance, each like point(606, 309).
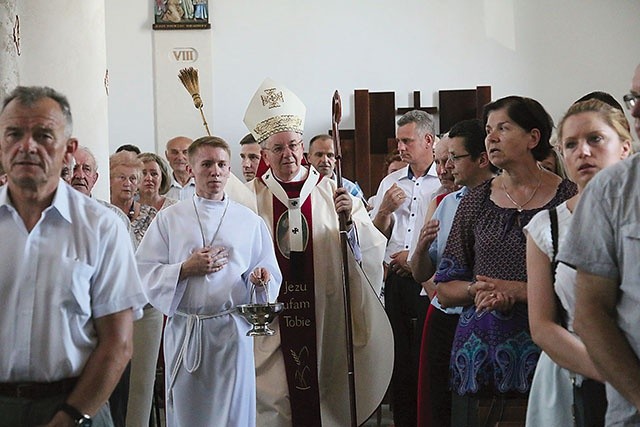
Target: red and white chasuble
point(302, 370)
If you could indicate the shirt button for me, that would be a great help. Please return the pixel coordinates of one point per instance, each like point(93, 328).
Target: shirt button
point(413, 214)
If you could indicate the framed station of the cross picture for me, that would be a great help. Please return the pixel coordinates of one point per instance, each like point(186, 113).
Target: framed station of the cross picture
point(181, 14)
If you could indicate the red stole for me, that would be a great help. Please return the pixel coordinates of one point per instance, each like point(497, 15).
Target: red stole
point(298, 319)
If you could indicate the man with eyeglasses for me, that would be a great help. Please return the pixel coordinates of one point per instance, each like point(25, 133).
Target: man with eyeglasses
point(632, 99)
point(603, 244)
point(399, 212)
point(469, 166)
point(69, 283)
point(302, 371)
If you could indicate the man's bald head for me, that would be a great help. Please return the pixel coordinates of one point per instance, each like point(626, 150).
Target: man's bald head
point(176, 153)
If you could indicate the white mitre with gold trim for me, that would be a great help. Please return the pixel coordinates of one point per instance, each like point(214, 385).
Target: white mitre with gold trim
point(273, 109)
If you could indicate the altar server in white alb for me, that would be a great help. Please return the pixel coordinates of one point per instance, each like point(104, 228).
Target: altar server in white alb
point(198, 261)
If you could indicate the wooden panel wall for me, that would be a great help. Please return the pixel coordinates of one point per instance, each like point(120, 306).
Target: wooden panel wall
point(462, 104)
point(365, 147)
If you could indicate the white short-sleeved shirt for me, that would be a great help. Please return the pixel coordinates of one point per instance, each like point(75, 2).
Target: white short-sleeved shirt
point(74, 266)
point(409, 217)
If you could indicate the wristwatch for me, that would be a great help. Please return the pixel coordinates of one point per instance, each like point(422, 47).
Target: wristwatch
point(80, 419)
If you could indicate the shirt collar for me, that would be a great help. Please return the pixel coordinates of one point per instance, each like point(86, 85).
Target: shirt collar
point(462, 192)
point(175, 183)
point(60, 200)
point(430, 172)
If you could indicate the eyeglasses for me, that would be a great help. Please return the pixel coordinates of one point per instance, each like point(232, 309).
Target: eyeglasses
point(279, 149)
point(630, 100)
point(132, 179)
point(455, 159)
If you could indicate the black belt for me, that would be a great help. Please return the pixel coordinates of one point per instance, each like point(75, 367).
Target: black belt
point(38, 390)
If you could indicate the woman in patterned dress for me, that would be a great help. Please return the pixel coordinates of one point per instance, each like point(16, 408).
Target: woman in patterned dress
point(484, 267)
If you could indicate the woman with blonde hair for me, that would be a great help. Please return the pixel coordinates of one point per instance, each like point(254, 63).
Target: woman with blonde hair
point(592, 135)
point(156, 181)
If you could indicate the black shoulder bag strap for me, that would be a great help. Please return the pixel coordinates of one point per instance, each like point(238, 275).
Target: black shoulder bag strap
point(561, 314)
point(553, 218)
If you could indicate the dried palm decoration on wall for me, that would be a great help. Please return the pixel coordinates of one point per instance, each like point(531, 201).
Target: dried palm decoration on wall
point(189, 78)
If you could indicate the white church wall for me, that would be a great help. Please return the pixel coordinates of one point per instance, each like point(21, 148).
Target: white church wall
point(63, 46)
point(552, 51)
point(129, 59)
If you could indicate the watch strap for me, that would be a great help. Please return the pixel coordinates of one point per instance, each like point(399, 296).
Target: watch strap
point(78, 417)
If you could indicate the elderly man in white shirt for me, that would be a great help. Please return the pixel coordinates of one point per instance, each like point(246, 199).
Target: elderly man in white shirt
point(69, 282)
point(182, 184)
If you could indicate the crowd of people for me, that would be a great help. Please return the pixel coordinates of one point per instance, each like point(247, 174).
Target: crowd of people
point(492, 278)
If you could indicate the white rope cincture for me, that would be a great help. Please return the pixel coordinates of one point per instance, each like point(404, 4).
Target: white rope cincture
point(194, 325)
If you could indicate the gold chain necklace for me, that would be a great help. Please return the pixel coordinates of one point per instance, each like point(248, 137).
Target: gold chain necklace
point(518, 206)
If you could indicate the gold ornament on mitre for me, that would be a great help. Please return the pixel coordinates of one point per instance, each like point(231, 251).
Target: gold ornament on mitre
point(273, 109)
